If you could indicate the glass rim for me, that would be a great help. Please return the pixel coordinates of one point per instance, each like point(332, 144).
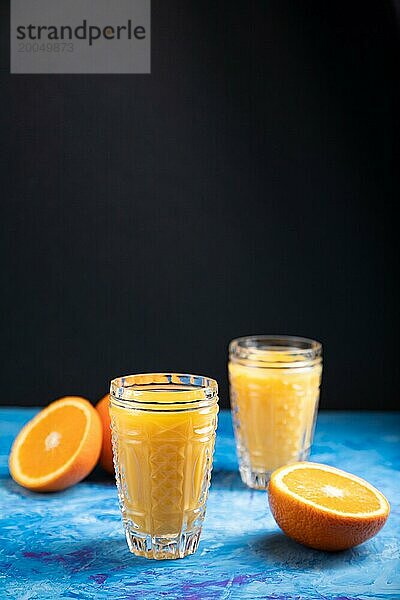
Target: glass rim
point(194, 389)
point(265, 349)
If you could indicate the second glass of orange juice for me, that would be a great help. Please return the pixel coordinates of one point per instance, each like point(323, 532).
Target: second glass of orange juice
point(163, 432)
point(274, 382)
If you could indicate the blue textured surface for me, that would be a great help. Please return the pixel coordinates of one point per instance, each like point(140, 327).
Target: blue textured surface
point(71, 544)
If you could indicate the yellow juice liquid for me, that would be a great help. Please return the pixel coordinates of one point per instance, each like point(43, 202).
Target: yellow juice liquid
point(273, 410)
point(164, 459)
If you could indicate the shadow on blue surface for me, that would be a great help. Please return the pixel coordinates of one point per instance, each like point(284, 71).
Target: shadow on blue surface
point(14, 489)
point(99, 475)
point(93, 555)
point(276, 548)
point(227, 479)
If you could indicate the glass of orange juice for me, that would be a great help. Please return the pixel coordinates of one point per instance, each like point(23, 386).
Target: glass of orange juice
point(163, 431)
point(274, 383)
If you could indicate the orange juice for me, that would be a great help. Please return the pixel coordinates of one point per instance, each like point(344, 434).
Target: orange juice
point(163, 443)
point(274, 397)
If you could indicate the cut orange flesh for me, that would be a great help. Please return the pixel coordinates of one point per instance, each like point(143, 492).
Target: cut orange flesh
point(58, 447)
point(324, 507)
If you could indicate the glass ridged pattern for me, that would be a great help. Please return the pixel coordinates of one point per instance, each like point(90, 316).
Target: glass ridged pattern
point(163, 442)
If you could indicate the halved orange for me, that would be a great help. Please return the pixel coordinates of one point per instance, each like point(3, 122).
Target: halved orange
point(58, 447)
point(324, 507)
point(106, 455)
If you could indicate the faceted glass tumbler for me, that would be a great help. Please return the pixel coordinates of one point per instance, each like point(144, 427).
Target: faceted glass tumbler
point(274, 391)
point(163, 434)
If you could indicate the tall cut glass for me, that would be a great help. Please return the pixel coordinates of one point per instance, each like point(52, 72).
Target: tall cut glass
point(274, 384)
point(163, 433)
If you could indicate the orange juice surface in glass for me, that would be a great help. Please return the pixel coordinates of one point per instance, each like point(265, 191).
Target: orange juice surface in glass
point(164, 456)
point(274, 409)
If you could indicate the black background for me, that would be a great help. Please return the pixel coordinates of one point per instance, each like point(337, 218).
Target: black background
point(246, 186)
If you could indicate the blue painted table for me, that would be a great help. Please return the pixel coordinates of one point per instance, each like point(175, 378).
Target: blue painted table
point(71, 544)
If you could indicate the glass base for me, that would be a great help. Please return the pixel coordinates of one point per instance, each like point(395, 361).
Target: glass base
point(255, 480)
point(258, 480)
point(163, 547)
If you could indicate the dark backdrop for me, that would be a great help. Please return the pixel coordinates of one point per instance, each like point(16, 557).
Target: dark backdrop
point(245, 186)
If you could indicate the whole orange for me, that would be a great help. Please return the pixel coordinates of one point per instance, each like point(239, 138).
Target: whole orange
point(106, 455)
